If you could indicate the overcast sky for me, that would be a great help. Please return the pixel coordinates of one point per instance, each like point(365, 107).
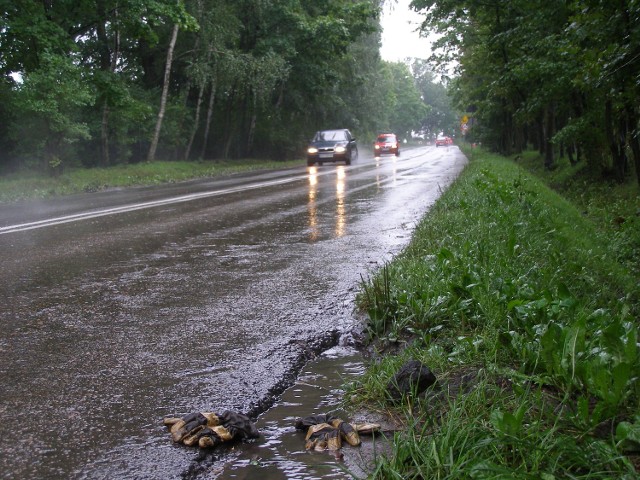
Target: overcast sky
point(399, 37)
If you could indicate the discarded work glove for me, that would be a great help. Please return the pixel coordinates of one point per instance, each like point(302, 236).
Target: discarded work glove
point(326, 432)
point(323, 437)
point(347, 431)
point(210, 429)
point(306, 422)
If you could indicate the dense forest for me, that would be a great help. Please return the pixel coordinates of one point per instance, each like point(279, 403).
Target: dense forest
point(100, 82)
point(562, 76)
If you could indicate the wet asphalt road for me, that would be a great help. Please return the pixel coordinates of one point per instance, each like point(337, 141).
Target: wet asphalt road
point(122, 307)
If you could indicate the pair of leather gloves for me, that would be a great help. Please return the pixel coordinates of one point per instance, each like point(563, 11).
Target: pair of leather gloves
point(208, 430)
point(326, 432)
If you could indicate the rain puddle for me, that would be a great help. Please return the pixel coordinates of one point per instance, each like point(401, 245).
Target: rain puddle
point(280, 452)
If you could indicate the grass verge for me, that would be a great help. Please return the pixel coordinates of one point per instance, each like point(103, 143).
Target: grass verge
point(26, 185)
point(525, 304)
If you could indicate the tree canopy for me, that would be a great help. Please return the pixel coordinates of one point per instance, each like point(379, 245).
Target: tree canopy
point(99, 82)
point(563, 76)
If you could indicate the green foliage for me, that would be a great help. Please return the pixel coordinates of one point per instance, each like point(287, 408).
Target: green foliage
point(30, 29)
point(48, 102)
point(628, 435)
point(508, 278)
point(510, 439)
point(440, 116)
point(407, 110)
point(248, 79)
point(555, 75)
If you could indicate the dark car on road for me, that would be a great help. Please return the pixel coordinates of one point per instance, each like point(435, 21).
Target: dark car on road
point(332, 146)
point(386, 143)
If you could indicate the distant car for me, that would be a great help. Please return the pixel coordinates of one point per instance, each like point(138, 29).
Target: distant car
point(332, 146)
point(386, 143)
point(441, 141)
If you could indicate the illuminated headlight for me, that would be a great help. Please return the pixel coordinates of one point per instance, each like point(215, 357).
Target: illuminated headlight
point(377, 147)
point(312, 150)
point(340, 149)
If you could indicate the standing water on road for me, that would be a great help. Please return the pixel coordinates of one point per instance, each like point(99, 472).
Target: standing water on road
point(121, 308)
point(280, 452)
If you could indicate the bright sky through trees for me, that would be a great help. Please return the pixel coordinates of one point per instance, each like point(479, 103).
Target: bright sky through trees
point(400, 38)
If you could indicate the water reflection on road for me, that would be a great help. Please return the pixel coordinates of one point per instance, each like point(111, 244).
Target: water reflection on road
point(340, 199)
point(209, 295)
point(313, 207)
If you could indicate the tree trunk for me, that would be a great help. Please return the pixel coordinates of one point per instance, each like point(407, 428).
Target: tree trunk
point(570, 152)
point(165, 93)
point(196, 122)
point(104, 135)
point(106, 111)
point(205, 139)
point(549, 131)
point(230, 123)
point(252, 127)
point(634, 141)
point(107, 64)
point(616, 149)
point(622, 144)
point(507, 131)
point(540, 135)
point(578, 153)
point(519, 139)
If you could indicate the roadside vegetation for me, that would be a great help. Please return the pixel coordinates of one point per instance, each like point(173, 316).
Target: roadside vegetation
point(524, 300)
point(97, 84)
point(561, 77)
point(31, 185)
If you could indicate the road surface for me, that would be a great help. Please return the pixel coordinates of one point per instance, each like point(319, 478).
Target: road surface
point(122, 307)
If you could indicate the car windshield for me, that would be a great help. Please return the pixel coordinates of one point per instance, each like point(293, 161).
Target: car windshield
point(386, 138)
point(330, 135)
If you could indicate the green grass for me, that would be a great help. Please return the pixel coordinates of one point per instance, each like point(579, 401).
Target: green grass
point(525, 304)
point(26, 185)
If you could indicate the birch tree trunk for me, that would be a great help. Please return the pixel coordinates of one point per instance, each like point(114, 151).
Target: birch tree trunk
point(207, 126)
point(165, 92)
point(196, 122)
point(104, 127)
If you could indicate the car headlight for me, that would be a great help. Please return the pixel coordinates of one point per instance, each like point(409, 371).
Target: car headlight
point(340, 149)
point(312, 150)
point(377, 147)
